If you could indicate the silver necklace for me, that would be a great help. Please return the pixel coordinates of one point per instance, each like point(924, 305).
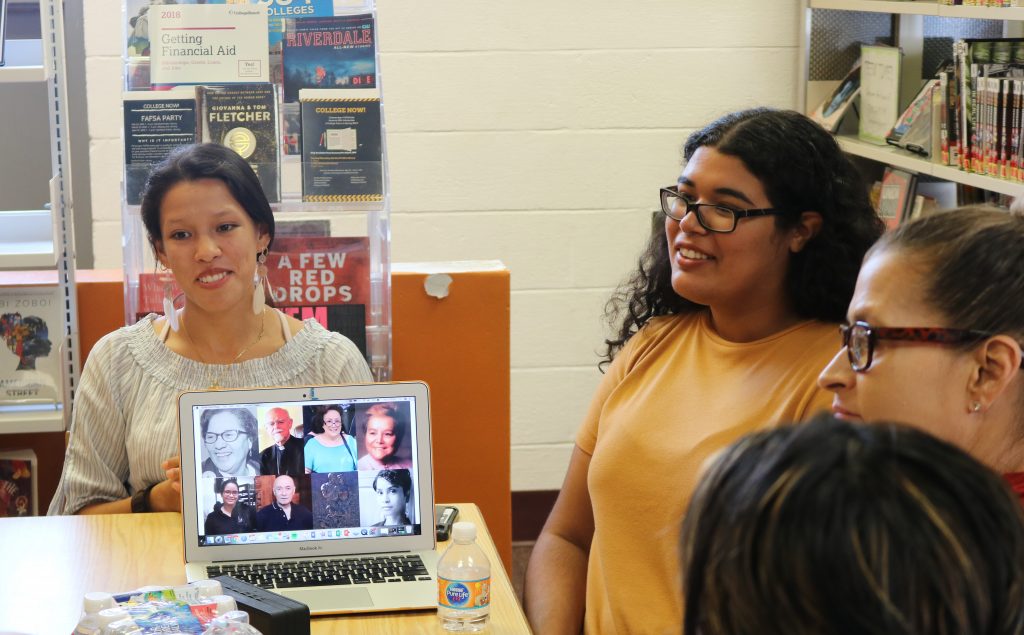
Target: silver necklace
point(215, 379)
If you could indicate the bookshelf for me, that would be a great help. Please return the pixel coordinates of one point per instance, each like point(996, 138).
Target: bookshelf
point(914, 26)
point(37, 394)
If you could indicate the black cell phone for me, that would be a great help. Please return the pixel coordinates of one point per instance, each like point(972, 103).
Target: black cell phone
point(446, 515)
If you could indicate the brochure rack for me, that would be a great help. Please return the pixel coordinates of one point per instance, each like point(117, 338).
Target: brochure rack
point(39, 324)
point(312, 77)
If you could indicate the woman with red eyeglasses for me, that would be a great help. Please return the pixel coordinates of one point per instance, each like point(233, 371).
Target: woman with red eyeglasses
point(934, 334)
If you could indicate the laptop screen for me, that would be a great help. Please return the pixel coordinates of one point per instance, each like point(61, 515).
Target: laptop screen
point(294, 471)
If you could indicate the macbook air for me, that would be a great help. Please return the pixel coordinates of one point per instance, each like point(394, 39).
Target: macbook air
point(323, 494)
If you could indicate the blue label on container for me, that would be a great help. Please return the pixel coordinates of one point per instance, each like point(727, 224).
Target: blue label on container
point(457, 594)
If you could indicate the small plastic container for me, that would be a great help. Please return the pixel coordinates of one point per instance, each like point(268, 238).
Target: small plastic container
point(464, 583)
point(231, 623)
point(92, 604)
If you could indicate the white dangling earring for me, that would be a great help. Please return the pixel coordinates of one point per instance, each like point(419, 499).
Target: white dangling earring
point(169, 312)
point(259, 281)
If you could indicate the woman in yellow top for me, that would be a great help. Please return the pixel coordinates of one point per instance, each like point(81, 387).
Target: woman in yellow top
point(722, 330)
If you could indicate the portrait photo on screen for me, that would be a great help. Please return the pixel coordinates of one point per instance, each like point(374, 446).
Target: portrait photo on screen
point(280, 440)
point(383, 435)
point(229, 505)
point(335, 500)
point(283, 503)
point(387, 498)
point(228, 439)
point(330, 445)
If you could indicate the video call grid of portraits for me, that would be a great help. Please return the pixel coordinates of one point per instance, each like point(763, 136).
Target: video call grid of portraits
point(293, 467)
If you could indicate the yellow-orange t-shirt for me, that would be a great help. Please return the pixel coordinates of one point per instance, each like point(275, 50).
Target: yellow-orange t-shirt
point(674, 395)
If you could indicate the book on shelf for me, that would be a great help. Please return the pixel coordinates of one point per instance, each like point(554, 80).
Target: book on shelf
point(155, 123)
point(913, 129)
point(19, 483)
point(880, 91)
point(30, 324)
point(329, 52)
point(977, 111)
point(832, 110)
point(244, 118)
point(896, 197)
point(342, 158)
point(324, 277)
point(989, 74)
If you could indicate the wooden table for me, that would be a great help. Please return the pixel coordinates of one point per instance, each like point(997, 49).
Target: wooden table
point(48, 563)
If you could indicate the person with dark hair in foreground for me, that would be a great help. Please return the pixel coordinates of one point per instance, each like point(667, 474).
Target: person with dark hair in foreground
point(722, 330)
point(934, 332)
point(847, 529)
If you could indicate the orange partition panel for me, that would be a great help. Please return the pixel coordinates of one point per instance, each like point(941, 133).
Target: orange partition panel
point(458, 345)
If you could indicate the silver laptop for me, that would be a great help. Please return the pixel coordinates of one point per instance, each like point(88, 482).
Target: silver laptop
point(323, 494)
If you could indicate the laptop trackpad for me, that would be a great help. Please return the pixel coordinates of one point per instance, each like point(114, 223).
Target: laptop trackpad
point(330, 598)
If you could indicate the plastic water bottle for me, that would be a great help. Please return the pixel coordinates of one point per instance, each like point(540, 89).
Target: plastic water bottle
point(231, 623)
point(92, 604)
point(463, 582)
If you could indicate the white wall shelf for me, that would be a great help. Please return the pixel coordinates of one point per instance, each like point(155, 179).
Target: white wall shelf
point(23, 62)
point(921, 8)
point(31, 420)
point(27, 239)
point(900, 158)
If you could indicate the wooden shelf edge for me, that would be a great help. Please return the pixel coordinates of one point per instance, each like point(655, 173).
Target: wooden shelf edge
point(909, 7)
point(902, 159)
point(877, 6)
point(983, 13)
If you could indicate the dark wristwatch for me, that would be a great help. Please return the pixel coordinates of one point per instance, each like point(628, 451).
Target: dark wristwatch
point(140, 500)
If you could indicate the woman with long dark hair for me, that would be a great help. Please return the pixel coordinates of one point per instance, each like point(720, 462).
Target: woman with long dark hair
point(720, 331)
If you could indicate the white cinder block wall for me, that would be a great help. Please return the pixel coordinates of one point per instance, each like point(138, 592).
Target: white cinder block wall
point(533, 132)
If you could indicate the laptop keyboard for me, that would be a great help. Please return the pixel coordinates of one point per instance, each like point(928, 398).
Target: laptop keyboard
point(299, 573)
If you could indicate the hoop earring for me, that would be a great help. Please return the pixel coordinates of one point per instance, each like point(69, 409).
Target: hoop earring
point(259, 281)
point(166, 276)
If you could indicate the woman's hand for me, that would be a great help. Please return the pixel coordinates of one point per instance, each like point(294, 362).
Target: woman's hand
point(166, 496)
point(172, 466)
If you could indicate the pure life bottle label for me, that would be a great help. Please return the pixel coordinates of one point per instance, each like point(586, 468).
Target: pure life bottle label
point(464, 594)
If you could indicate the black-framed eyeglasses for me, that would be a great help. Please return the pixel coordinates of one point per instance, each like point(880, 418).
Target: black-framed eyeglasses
point(229, 436)
point(860, 339)
point(712, 217)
